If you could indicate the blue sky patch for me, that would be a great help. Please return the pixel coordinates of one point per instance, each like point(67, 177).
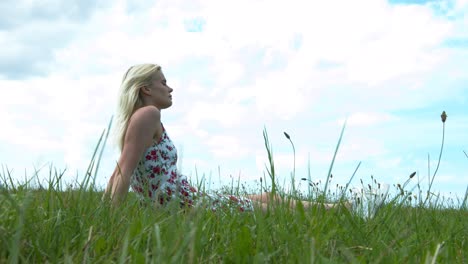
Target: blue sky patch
point(195, 24)
point(440, 8)
point(296, 42)
point(456, 43)
point(327, 64)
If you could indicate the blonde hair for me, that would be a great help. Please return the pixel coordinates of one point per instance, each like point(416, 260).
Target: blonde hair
point(135, 78)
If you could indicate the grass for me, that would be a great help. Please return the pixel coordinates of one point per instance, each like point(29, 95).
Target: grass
point(59, 223)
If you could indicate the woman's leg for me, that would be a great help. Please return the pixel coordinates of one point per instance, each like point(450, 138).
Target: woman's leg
point(265, 197)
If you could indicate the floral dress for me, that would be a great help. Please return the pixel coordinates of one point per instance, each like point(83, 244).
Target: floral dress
point(156, 178)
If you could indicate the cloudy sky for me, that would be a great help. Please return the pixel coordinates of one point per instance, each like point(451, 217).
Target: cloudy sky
point(302, 67)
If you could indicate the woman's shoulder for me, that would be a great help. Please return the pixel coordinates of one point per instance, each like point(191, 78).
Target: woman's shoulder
point(147, 112)
point(147, 118)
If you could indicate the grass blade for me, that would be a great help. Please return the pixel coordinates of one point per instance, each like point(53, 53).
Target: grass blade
point(271, 170)
point(102, 150)
point(333, 160)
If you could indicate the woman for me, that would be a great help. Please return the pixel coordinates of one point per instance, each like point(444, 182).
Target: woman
point(148, 157)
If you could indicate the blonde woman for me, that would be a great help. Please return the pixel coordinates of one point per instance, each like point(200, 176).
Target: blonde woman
point(148, 160)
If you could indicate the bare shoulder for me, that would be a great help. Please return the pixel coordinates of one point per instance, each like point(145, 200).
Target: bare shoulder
point(147, 113)
point(144, 124)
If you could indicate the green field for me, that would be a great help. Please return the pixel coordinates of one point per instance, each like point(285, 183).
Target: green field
point(75, 226)
point(64, 224)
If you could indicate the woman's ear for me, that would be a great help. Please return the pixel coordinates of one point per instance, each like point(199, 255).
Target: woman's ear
point(146, 90)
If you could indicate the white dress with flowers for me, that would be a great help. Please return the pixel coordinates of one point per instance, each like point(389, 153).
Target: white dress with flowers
point(156, 178)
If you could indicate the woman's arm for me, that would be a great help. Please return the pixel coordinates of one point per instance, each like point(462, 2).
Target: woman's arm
point(142, 127)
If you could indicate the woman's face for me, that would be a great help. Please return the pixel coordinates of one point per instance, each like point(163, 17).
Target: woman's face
point(160, 92)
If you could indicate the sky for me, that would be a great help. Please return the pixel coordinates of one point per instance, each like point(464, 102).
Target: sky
point(238, 67)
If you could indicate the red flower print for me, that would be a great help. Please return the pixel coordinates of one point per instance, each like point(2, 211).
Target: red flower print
point(157, 170)
point(189, 202)
point(137, 189)
point(234, 199)
point(152, 176)
point(168, 191)
point(153, 152)
point(148, 157)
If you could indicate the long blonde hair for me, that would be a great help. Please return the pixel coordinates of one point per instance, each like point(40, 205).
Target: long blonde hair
point(136, 77)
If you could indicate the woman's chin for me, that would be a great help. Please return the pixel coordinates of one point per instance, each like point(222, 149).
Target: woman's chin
point(168, 105)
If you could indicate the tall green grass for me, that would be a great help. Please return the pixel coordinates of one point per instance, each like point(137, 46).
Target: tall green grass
point(59, 223)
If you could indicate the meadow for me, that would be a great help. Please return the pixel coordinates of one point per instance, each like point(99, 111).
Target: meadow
point(61, 223)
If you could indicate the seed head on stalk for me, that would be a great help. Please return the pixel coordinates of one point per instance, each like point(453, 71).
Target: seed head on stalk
point(443, 116)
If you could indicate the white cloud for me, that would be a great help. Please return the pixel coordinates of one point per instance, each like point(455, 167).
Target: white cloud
point(223, 146)
point(364, 55)
point(228, 74)
point(366, 119)
point(461, 4)
point(227, 114)
point(282, 161)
